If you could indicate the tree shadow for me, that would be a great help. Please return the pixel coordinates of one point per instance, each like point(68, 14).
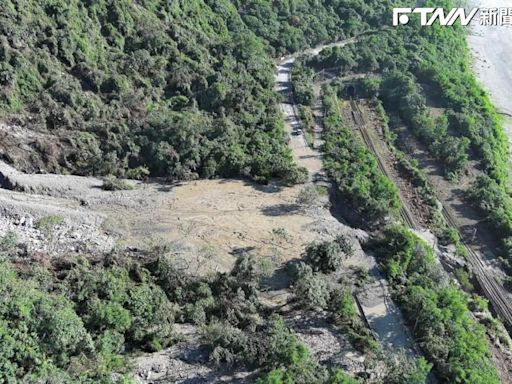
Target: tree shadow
point(284, 209)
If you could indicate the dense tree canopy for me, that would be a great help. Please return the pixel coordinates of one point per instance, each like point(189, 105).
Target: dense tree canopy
point(183, 89)
point(420, 65)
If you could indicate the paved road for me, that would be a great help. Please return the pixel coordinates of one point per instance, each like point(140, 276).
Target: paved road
point(303, 154)
point(382, 314)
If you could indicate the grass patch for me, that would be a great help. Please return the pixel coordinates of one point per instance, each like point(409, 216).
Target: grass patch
point(47, 223)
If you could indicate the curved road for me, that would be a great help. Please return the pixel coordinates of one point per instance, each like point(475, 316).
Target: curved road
point(380, 311)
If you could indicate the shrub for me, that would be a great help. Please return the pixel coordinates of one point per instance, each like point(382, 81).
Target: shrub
point(227, 343)
point(9, 242)
point(403, 369)
point(48, 223)
point(311, 291)
point(289, 358)
point(354, 169)
point(112, 183)
point(438, 311)
point(342, 304)
point(310, 195)
point(297, 175)
point(327, 256)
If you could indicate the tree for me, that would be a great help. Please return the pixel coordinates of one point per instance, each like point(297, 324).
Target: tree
point(327, 256)
point(311, 291)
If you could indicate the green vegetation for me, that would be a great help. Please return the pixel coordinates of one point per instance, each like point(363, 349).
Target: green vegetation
point(112, 183)
point(347, 318)
point(436, 310)
point(308, 122)
point(302, 79)
point(288, 26)
point(496, 204)
point(303, 96)
point(311, 195)
point(291, 362)
point(48, 223)
point(43, 337)
point(400, 92)
point(354, 168)
point(327, 256)
point(468, 125)
point(410, 168)
point(312, 290)
point(8, 243)
point(183, 89)
point(78, 321)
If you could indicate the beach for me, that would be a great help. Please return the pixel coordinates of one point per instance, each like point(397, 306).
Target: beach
point(491, 48)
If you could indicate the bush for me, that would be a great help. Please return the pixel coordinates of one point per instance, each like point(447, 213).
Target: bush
point(496, 204)
point(444, 74)
point(342, 304)
point(327, 256)
point(132, 98)
point(402, 369)
point(297, 175)
point(40, 331)
point(227, 343)
point(9, 242)
point(112, 183)
point(311, 291)
point(354, 169)
point(310, 195)
point(302, 85)
point(450, 337)
point(48, 223)
point(289, 358)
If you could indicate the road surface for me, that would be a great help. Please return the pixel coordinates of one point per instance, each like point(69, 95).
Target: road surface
point(380, 311)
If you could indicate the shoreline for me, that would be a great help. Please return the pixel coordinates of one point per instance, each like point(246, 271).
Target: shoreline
point(491, 53)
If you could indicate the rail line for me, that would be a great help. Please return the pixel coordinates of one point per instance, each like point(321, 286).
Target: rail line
point(405, 214)
point(490, 287)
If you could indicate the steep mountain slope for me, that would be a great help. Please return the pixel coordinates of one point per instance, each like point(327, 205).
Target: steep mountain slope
point(181, 89)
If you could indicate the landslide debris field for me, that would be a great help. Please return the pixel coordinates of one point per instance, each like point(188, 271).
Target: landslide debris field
point(207, 224)
point(250, 192)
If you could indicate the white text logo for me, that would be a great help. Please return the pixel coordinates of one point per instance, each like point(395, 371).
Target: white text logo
point(429, 15)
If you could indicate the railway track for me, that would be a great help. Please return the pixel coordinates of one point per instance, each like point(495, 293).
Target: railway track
point(405, 214)
point(490, 287)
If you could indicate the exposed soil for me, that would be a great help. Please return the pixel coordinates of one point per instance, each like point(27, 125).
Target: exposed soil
point(471, 222)
point(210, 220)
point(379, 310)
point(410, 196)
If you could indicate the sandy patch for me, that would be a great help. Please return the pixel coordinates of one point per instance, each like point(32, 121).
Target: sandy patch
point(491, 47)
